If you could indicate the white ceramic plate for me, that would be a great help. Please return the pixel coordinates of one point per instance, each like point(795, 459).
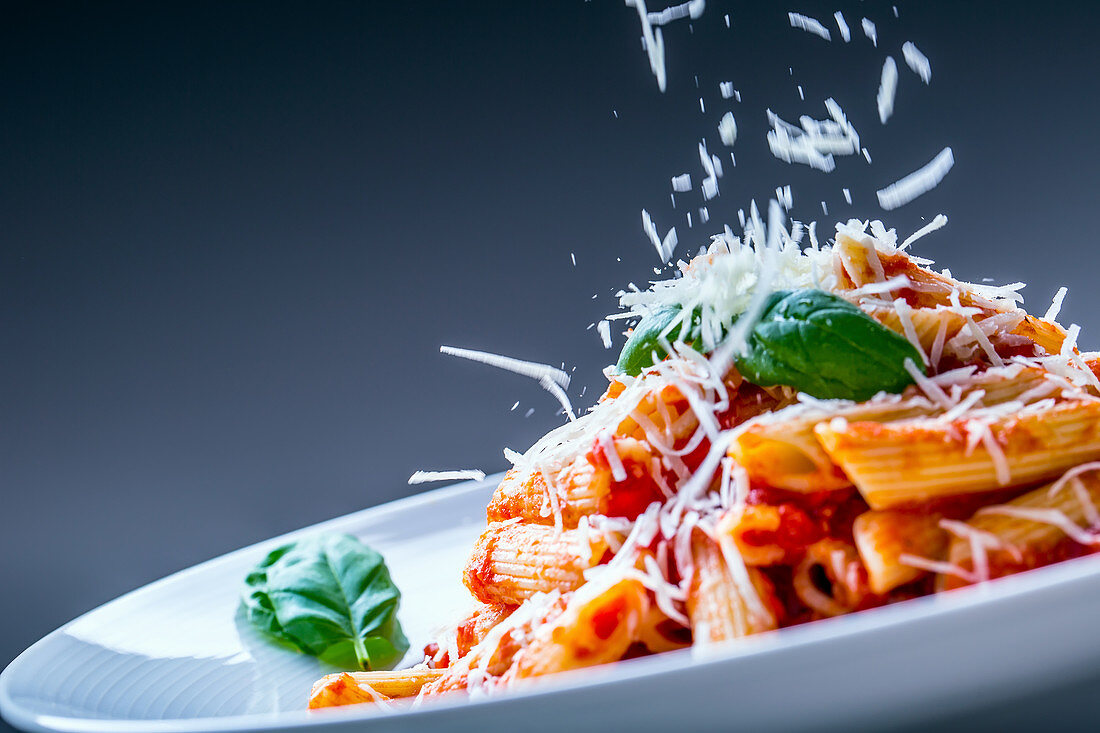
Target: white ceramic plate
point(175, 655)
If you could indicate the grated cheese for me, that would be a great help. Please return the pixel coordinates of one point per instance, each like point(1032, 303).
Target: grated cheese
point(816, 141)
point(937, 566)
point(1069, 351)
point(916, 183)
point(422, 477)
point(905, 315)
point(664, 247)
point(693, 9)
point(727, 130)
point(809, 25)
point(551, 379)
point(1071, 474)
point(845, 32)
point(653, 42)
point(932, 390)
point(1056, 305)
point(681, 183)
point(870, 31)
point(887, 89)
point(603, 328)
point(980, 542)
point(937, 223)
point(1053, 517)
point(607, 445)
point(917, 61)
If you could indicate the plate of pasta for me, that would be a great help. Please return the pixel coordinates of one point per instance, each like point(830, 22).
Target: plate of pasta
point(818, 467)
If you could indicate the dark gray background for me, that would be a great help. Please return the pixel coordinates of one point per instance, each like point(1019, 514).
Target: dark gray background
point(233, 237)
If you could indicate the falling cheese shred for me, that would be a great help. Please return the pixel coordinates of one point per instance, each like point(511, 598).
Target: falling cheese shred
point(918, 182)
point(422, 477)
point(810, 25)
point(554, 381)
point(887, 89)
point(917, 61)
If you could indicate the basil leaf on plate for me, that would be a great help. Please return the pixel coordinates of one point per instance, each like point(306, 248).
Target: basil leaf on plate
point(329, 596)
point(645, 340)
point(824, 346)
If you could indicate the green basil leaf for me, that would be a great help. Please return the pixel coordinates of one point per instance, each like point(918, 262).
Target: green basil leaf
point(824, 346)
point(329, 596)
point(645, 340)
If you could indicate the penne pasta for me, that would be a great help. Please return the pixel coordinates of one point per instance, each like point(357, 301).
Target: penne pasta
point(591, 484)
point(348, 688)
point(1047, 524)
point(494, 655)
point(478, 624)
point(755, 530)
point(343, 688)
point(910, 462)
point(830, 580)
point(513, 561)
point(882, 537)
point(524, 494)
point(786, 453)
point(598, 625)
point(716, 607)
point(659, 633)
point(927, 323)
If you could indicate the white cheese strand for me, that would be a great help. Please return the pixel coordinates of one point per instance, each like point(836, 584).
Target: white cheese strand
point(692, 9)
point(1055, 305)
point(887, 89)
point(809, 25)
point(936, 566)
point(870, 31)
point(551, 379)
point(654, 42)
point(917, 61)
point(422, 477)
point(607, 445)
point(916, 183)
point(531, 369)
point(842, 25)
point(1052, 517)
point(603, 328)
point(937, 223)
point(905, 315)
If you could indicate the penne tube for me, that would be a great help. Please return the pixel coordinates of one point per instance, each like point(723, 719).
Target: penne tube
point(927, 323)
point(340, 689)
point(882, 537)
point(525, 495)
point(831, 580)
point(663, 415)
point(910, 462)
point(755, 531)
point(494, 655)
point(1049, 336)
point(598, 625)
point(786, 454)
point(513, 561)
point(659, 633)
point(860, 264)
point(586, 486)
point(473, 630)
point(1051, 523)
point(715, 605)
point(351, 688)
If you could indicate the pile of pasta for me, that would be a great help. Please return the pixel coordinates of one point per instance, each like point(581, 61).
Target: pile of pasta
point(690, 507)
